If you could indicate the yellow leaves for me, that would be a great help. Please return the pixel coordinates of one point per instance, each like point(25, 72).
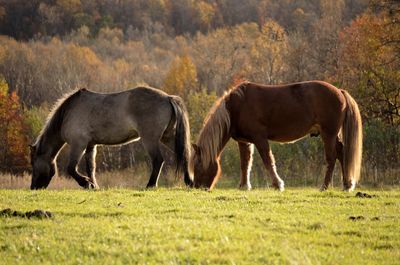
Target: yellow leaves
point(3, 87)
point(121, 66)
point(271, 42)
point(206, 13)
point(182, 77)
point(83, 54)
point(272, 31)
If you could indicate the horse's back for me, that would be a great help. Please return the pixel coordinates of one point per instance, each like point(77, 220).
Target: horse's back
point(287, 112)
point(151, 107)
point(116, 118)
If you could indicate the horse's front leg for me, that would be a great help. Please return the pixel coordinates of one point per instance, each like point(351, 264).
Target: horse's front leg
point(90, 157)
point(74, 158)
point(246, 160)
point(269, 163)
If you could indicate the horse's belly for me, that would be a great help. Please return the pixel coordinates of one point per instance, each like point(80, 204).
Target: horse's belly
point(294, 135)
point(116, 137)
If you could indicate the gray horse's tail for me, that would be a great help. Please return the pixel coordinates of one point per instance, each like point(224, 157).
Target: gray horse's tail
point(182, 139)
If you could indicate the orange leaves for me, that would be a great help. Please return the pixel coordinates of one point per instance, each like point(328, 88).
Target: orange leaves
point(360, 39)
point(13, 131)
point(369, 65)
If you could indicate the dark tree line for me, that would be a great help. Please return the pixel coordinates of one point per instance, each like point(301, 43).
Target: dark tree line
point(24, 20)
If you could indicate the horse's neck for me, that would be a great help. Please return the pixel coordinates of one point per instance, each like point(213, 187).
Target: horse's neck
point(221, 145)
point(51, 144)
point(224, 140)
point(215, 133)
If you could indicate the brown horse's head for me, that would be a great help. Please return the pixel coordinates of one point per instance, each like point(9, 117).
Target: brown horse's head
point(204, 176)
point(43, 169)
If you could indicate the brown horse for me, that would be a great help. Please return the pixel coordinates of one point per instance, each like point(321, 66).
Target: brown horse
point(252, 114)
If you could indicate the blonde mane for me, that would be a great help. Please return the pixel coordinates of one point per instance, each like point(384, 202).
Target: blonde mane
point(216, 124)
point(56, 115)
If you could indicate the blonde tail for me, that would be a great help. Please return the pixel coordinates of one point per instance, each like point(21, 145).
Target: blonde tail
point(352, 143)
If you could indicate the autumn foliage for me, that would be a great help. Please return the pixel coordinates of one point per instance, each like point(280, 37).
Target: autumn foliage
point(182, 77)
point(13, 133)
point(370, 65)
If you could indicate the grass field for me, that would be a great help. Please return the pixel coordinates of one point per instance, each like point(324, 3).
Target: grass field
point(181, 226)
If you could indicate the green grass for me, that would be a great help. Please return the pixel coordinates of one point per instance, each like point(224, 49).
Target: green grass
point(176, 226)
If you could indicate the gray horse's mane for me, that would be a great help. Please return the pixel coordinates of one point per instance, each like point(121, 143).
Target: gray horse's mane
point(216, 124)
point(55, 118)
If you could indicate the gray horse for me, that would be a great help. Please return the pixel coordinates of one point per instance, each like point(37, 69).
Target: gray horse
point(85, 119)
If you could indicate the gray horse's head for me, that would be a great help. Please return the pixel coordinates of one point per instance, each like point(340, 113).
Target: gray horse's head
point(43, 169)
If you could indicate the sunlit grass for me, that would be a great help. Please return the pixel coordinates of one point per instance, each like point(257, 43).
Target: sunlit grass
point(178, 225)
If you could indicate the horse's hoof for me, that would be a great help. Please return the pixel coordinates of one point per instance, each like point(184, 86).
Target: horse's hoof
point(88, 185)
point(245, 187)
point(279, 186)
point(323, 188)
point(348, 188)
point(93, 186)
point(189, 184)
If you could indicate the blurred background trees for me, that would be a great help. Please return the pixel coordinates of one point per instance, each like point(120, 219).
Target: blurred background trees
point(198, 50)
point(13, 132)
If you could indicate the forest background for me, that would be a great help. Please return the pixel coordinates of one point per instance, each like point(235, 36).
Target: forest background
point(198, 50)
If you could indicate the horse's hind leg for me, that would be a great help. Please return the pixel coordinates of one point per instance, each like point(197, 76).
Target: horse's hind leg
point(330, 146)
point(74, 158)
point(169, 142)
point(340, 156)
point(157, 161)
point(90, 158)
point(246, 160)
point(269, 163)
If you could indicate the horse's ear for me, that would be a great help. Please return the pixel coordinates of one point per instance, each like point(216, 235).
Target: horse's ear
point(195, 148)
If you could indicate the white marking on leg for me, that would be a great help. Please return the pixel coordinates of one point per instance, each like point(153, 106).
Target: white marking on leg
point(249, 166)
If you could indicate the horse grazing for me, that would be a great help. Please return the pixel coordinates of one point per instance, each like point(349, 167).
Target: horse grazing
point(85, 119)
point(252, 114)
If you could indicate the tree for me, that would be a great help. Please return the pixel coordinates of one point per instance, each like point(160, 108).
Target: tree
point(325, 40)
point(370, 63)
point(198, 104)
point(182, 77)
point(267, 64)
point(13, 132)
point(221, 55)
point(298, 58)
